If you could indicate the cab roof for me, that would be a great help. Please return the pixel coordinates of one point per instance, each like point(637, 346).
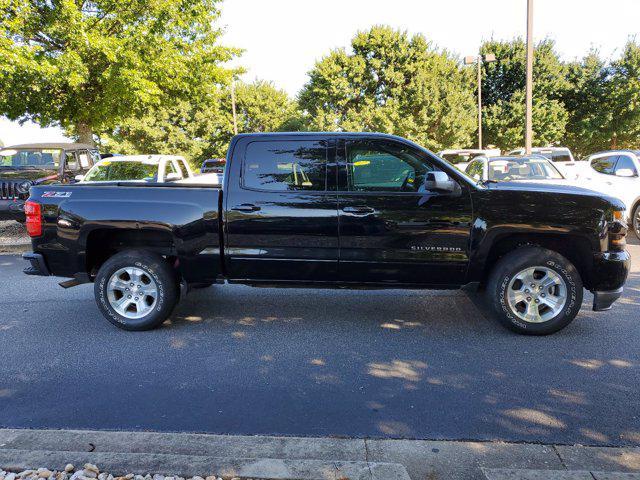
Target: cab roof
point(54, 145)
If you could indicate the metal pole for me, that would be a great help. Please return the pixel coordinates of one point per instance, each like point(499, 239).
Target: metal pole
point(528, 136)
point(233, 106)
point(479, 102)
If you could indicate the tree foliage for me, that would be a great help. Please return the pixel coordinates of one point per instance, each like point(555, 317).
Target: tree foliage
point(201, 130)
point(392, 83)
point(88, 65)
point(503, 93)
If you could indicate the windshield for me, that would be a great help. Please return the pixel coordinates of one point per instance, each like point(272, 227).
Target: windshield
point(523, 169)
point(108, 171)
point(455, 158)
point(556, 156)
point(44, 159)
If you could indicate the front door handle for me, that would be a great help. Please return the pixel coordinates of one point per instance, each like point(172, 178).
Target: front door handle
point(361, 210)
point(246, 207)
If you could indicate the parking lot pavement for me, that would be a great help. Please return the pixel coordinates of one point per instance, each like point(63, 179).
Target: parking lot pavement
point(382, 364)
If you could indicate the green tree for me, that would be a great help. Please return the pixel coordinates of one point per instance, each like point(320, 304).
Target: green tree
point(201, 130)
point(392, 83)
point(587, 103)
point(88, 65)
point(623, 91)
point(503, 94)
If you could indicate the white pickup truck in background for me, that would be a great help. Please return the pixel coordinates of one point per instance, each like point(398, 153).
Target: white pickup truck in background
point(147, 168)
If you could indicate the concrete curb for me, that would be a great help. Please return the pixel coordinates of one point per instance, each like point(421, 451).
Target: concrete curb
point(522, 474)
point(190, 465)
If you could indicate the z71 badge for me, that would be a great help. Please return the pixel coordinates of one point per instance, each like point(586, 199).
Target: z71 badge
point(56, 194)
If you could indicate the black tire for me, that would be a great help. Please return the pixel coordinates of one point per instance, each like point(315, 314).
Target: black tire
point(508, 268)
point(635, 220)
point(157, 269)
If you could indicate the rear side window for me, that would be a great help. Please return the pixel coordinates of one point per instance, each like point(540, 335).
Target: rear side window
point(604, 164)
point(286, 165)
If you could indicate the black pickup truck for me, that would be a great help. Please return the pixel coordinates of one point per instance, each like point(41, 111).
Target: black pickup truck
point(349, 210)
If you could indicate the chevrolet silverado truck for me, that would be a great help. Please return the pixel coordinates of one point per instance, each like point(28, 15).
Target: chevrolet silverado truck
point(346, 210)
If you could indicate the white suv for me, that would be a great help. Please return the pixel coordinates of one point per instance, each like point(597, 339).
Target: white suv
point(616, 172)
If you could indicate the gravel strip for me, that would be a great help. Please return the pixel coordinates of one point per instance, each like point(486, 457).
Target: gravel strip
point(12, 236)
point(92, 472)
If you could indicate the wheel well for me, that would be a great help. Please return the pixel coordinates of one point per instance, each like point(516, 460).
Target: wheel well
point(574, 248)
point(104, 243)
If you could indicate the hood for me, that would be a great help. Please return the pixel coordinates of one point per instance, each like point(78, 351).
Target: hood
point(33, 174)
point(553, 188)
point(547, 186)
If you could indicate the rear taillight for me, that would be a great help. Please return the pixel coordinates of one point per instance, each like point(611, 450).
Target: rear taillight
point(33, 211)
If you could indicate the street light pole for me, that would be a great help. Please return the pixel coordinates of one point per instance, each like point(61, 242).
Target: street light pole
point(478, 61)
point(233, 107)
point(528, 135)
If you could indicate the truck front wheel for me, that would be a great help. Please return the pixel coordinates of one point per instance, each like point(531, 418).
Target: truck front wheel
point(136, 290)
point(535, 291)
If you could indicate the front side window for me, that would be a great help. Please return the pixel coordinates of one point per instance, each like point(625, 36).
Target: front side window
point(475, 168)
point(625, 163)
point(71, 161)
point(604, 164)
point(183, 168)
point(286, 165)
point(383, 166)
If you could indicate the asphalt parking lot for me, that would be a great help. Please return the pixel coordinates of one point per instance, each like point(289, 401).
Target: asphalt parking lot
point(396, 364)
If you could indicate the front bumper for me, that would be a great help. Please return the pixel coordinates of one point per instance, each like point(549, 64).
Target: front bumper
point(604, 300)
point(12, 209)
point(610, 271)
point(37, 266)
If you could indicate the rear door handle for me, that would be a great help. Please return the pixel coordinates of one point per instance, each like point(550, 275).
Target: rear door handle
point(246, 207)
point(362, 210)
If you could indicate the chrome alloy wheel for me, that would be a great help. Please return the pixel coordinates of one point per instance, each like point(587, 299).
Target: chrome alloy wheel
point(537, 294)
point(132, 292)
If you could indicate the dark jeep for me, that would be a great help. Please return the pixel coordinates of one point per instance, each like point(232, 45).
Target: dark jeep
point(22, 166)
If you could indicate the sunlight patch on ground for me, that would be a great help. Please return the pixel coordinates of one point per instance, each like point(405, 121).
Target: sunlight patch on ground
point(536, 417)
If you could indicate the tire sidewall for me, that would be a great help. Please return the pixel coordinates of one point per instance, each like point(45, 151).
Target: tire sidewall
point(635, 223)
point(573, 304)
point(153, 267)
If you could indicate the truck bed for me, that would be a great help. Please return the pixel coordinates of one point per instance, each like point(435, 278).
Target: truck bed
point(176, 220)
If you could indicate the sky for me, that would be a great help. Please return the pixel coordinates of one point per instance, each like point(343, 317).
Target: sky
point(282, 39)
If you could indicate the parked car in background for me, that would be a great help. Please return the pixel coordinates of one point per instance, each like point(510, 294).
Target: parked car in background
point(617, 172)
point(570, 167)
point(460, 158)
point(533, 168)
point(138, 168)
point(354, 210)
point(22, 166)
point(213, 165)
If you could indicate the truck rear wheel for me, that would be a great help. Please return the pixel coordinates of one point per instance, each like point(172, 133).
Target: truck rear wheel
point(535, 291)
point(136, 290)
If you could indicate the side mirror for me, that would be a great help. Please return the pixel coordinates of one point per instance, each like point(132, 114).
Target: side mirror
point(440, 182)
point(78, 178)
point(172, 177)
point(625, 172)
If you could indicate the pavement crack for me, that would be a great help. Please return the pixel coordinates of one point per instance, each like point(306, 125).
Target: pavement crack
point(366, 457)
point(557, 452)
